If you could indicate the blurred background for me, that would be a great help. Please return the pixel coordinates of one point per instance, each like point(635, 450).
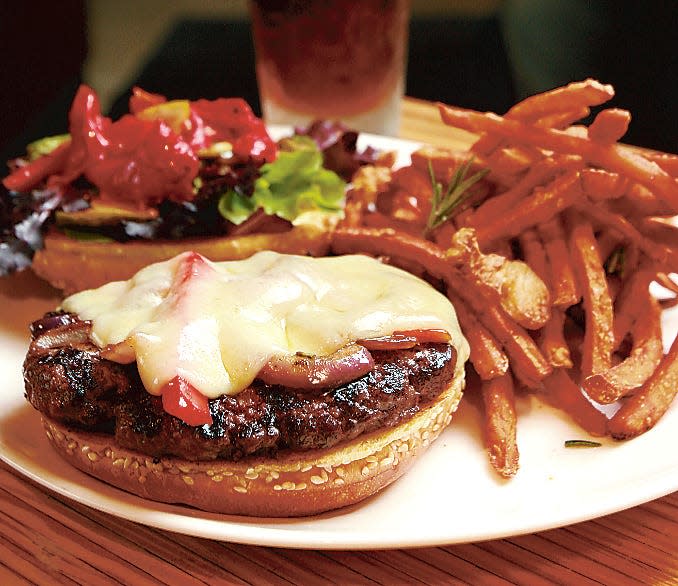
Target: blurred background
point(481, 54)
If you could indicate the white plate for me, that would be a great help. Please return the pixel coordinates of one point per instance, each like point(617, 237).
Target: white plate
point(450, 496)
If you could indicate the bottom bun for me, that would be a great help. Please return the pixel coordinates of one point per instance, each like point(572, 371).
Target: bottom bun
point(292, 485)
point(74, 265)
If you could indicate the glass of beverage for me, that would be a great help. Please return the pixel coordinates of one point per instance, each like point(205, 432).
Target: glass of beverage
point(331, 59)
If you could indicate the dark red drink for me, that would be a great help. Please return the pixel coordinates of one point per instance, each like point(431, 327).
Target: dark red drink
point(335, 59)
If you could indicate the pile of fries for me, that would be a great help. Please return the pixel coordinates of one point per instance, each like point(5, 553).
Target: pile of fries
point(547, 251)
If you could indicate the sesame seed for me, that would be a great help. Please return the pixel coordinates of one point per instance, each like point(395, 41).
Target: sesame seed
point(187, 479)
point(240, 489)
point(93, 456)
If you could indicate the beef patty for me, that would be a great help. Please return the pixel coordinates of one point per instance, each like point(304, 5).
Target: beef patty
point(67, 380)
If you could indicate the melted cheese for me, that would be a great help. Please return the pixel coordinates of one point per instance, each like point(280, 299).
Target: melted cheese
point(217, 323)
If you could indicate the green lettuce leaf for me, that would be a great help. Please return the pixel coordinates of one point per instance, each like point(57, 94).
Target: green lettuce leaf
point(292, 185)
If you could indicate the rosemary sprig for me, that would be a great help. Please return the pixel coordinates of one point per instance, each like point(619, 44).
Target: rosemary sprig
point(577, 443)
point(615, 262)
point(445, 201)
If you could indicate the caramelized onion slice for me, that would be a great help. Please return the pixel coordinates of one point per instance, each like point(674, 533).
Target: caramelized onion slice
point(68, 335)
point(318, 372)
point(121, 352)
point(51, 321)
point(406, 339)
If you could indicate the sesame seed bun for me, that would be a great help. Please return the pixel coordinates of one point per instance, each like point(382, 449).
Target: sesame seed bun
point(294, 484)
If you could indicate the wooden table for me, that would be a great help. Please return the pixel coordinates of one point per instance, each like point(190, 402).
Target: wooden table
point(48, 539)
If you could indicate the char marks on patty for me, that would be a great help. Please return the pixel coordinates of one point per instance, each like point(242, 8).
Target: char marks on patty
point(67, 380)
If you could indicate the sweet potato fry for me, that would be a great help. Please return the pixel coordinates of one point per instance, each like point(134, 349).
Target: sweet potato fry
point(392, 243)
point(562, 392)
point(562, 280)
point(519, 290)
point(663, 256)
point(588, 267)
point(613, 157)
point(666, 161)
point(627, 308)
point(646, 353)
point(609, 125)
point(552, 341)
point(567, 98)
point(661, 230)
point(600, 184)
point(526, 360)
point(444, 162)
point(541, 206)
point(642, 411)
point(509, 162)
point(501, 425)
point(639, 201)
point(534, 254)
point(539, 174)
point(487, 357)
point(486, 145)
point(558, 108)
point(563, 119)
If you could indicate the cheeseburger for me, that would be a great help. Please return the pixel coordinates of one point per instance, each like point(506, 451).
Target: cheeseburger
point(279, 385)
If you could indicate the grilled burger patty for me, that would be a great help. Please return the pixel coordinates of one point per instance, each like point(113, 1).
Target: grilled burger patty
point(67, 380)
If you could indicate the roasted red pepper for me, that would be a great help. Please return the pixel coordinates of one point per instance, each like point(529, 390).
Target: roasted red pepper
point(408, 339)
point(141, 99)
point(143, 160)
point(181, 399)
point(28, 176)
point(231, 120)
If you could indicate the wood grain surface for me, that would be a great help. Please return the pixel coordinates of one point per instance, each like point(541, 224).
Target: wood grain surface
point(48, 539)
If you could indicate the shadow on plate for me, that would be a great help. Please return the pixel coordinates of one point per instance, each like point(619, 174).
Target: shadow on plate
point(23, 299)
